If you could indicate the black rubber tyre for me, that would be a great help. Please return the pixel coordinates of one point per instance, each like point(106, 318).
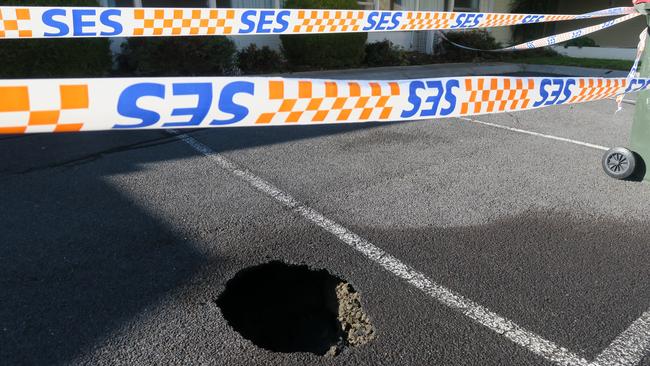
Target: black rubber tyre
point(619, 163)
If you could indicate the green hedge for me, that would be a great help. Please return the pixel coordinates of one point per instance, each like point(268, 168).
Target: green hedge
point(178, 56)
point(482, 40)
point(255, 60)
point(324, 51)
point(479, 39)
point(49, 3)
point(385, 53)
point(32, 58)
point(581, 42)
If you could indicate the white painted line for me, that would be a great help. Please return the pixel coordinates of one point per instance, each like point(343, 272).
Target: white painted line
point(630, 347)
point(481, 315)
point(626, 101)
point(532, 133)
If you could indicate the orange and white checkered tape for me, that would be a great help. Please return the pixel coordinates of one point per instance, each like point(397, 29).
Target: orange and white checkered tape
point(71, 22)
point(25, 109)
point(596, 89)
point(319, 101)
point(329, 21)
point(490, 95)
point(183, 22)
point(499, 20)
point(427, 20)
point(67, 105)
point(14, 23)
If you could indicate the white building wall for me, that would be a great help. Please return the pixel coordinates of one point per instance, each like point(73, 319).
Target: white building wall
point(408, 40)
point(501, 34)
point(422, 40)
point(260, 4)
point(272, 41)
point(402, 39)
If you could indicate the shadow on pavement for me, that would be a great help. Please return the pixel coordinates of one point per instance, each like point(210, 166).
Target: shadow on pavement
point(77, 256)
point(547, 270)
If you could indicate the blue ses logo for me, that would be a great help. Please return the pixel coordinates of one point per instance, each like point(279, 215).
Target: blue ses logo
point(554, 92)
point(85, 22)
point(431, 98)
point(196, 114)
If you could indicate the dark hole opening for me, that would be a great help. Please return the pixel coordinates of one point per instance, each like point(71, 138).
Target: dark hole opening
point(284, 308)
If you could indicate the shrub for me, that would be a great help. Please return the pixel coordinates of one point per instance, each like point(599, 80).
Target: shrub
point(419, 58)
point(323, 51)
point(178, 56)
point(482, 40)
point(385, 53)
point(535, 52)
point(37, 58)
point(254, 60)
point(479, 39)
point(581, 42)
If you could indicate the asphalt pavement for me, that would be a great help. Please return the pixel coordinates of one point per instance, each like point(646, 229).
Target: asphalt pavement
point(115, 246)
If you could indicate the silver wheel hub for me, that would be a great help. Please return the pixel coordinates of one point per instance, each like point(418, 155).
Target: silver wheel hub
point(617, 163)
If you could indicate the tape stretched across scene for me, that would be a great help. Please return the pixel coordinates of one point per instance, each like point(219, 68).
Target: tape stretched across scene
point(83, 22)
point(66, 105)
point(552, 40)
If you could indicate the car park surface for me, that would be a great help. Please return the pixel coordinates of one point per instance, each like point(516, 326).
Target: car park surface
point(117, 244)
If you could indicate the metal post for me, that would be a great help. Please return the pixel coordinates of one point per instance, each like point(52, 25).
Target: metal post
point(640, 136)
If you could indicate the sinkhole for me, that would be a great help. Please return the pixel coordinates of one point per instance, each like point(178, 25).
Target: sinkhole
point(290, 308)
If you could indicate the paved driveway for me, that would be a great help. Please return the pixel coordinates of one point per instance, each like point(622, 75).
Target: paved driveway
point(492, 241)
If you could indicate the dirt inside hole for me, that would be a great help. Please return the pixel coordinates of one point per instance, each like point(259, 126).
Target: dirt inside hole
point(287, 308)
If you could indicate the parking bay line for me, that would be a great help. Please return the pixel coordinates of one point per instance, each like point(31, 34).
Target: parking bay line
point(532, 133)
point(633, 344)
point(630, 347)
point(479, 314)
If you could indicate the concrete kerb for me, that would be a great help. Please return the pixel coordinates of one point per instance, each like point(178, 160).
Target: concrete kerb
point(456, 69)
point(574, 71)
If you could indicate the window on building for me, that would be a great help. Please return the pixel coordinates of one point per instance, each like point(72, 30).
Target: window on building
point(252, 4)
point(174, 3)
point(366, 5)
point(194, 3)
point(121, 3)
point(466, 5)
point(390, 4)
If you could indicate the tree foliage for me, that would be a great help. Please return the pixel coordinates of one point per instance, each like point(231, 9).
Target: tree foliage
point(178, 56)
point(23, 58)
point(324, 50)
point(527, 32)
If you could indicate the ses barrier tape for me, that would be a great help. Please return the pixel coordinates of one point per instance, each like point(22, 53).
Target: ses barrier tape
point(552, 40)
point(33, 106)
point(72, 22)
point(563, 37)
point(634, 72)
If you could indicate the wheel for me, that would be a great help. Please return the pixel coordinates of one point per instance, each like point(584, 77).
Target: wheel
point(619, 163)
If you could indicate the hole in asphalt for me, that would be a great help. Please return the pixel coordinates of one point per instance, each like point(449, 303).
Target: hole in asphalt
point(287, 308)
